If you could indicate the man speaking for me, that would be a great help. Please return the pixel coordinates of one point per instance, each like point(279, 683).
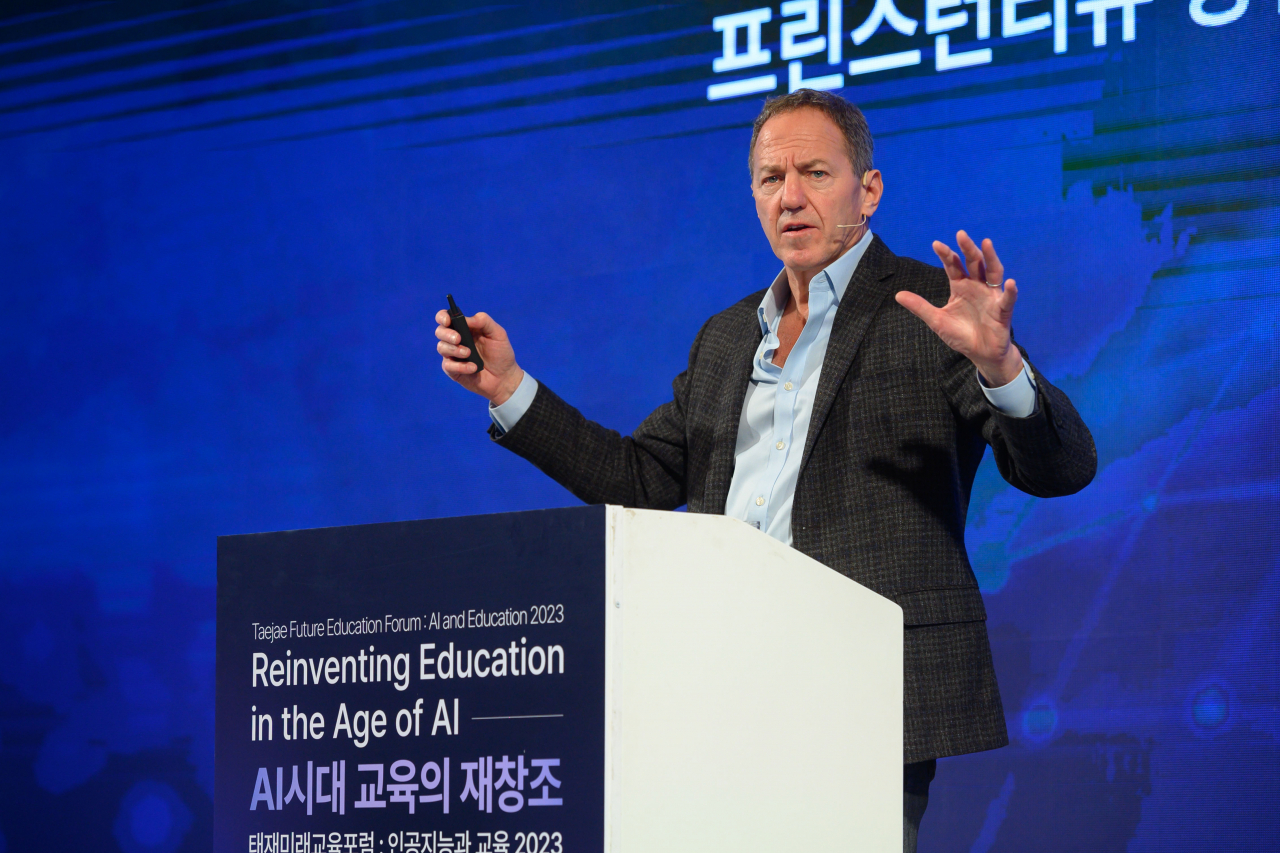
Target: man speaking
point(824, 412)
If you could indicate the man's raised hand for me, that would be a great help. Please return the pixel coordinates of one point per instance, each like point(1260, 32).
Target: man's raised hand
point(501, 375)
point(976, 320)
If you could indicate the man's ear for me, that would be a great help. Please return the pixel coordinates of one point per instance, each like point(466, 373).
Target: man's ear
point(873, 189)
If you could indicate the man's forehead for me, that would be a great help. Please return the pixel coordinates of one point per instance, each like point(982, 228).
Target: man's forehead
point(802, 135)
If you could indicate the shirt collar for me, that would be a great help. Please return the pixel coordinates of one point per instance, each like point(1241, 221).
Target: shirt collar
point(838, 275)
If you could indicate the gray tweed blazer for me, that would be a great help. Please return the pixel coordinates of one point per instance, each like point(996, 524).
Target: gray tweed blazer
point(898, 429)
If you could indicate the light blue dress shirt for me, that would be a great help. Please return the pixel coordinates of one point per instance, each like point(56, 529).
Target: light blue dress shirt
point(779, 400)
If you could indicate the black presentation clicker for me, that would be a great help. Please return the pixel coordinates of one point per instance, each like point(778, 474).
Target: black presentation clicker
point(458, 322)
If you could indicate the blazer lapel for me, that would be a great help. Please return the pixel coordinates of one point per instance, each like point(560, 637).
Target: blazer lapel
point(862, 298)
point(731, 395)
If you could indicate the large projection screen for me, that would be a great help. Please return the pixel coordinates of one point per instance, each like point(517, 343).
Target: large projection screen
point(226, 226)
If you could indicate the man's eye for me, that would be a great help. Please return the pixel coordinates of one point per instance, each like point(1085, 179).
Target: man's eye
point(770, 180)
point(818, 173)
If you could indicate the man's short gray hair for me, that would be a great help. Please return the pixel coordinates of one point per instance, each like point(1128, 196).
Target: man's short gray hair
point(844, 115)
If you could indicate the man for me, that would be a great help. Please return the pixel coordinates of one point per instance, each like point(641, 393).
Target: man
point(824, 413)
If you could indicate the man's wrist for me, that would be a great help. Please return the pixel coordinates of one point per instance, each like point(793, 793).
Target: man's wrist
point(1018, 399)
point(997, 374)
point(509, 413)
point(507, 388)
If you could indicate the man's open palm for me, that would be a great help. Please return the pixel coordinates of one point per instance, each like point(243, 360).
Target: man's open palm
point(976, 320)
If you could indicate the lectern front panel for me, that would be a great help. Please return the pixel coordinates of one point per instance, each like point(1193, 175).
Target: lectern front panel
point(413, 687)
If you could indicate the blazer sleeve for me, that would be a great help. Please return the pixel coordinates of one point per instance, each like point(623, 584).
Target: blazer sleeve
point(1048, 454)
point(646, 469)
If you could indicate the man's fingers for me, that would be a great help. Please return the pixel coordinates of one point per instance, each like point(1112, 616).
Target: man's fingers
point(995, 269)
point(483, 324)
point(449, 350)
point(1010, 295)
point(447, 335)
point(455, 369)
point(919, 306)
point(972, 255)
point(950, 260)
point(443, 333)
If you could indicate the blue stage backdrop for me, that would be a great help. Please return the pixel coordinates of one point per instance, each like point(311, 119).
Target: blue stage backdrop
point(226, 226)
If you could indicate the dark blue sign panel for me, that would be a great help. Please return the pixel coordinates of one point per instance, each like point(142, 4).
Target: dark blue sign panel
point(413, 687)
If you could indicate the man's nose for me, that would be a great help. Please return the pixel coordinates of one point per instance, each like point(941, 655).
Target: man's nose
point(793, 197)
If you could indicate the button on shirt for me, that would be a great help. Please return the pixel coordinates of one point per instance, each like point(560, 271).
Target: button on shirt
point(779, 400)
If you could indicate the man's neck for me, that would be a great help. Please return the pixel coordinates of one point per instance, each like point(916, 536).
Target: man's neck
point(798, 280)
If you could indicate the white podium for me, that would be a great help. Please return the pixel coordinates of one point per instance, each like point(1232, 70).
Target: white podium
point(772, 682)
point(560, 681)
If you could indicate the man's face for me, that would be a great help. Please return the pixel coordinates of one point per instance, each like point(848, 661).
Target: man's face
point(804, 186)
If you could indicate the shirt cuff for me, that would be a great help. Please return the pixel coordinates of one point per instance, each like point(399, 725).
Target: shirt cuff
point(1018, 399)
point(506, 416)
